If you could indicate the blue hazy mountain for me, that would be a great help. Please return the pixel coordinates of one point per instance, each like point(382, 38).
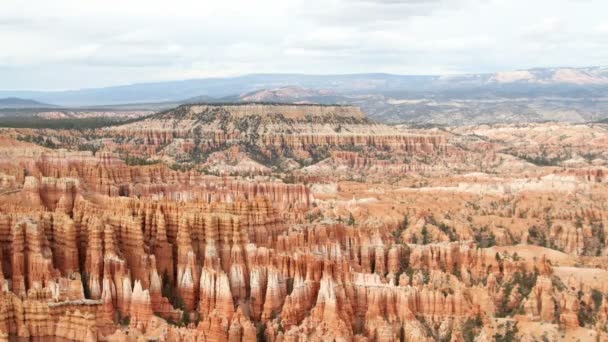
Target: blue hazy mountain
point(16, 102)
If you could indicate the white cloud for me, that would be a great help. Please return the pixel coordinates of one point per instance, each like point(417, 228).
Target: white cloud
point(602, 28)
point(73, 43)
point(549, 25)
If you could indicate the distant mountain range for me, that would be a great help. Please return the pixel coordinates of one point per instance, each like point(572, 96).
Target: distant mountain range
point(563, 94)
point(578, 81)
point(17, 103)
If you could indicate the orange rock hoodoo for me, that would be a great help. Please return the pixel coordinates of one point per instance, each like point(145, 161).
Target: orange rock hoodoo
point(393, 233)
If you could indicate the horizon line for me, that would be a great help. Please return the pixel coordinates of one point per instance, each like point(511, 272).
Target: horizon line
point(287, 74)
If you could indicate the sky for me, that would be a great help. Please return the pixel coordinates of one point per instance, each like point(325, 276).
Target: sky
point(72, 44)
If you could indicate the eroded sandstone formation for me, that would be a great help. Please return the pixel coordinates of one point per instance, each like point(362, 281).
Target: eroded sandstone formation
point(297, 223)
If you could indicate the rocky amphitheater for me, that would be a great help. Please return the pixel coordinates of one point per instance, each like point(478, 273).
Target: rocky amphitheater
point(265, 222)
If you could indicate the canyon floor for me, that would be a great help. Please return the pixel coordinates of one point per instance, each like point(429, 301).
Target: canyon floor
point(268, 222)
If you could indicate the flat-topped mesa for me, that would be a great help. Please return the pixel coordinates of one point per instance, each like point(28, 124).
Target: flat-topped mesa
point(220, 123)
point(269, 111)
point(257, 138)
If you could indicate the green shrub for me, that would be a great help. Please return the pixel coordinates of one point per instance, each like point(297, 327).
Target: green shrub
point(524, 282)
point(472, 328)
point(509, 334)
point(484, 238)
point(139, 161)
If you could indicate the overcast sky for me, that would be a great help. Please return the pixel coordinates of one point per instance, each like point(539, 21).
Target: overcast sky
point(68, 44)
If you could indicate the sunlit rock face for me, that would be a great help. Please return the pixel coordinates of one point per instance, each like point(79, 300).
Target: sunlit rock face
point(303, 222)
